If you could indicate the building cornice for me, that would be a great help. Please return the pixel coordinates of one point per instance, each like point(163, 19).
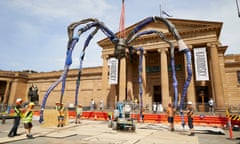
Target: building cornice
point(91, 71)
point(187, 29)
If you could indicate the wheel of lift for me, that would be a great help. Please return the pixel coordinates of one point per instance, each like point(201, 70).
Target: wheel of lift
point(134, 127)
point(114, 125)
point(110, 123)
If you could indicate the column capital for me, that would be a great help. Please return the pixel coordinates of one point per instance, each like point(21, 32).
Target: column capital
point(160, 50)
point(190, 47)
point(105, 56)
point(138, 52)
point(144, 52)
point(213, 44)
point(127, 51)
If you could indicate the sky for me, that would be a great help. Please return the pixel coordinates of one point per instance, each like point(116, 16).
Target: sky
point(33, 33)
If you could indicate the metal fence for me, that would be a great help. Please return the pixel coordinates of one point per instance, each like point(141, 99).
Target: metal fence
point(4, 108)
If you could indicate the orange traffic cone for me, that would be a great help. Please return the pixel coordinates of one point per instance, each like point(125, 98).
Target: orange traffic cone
point(95, 117)
point(230, 128)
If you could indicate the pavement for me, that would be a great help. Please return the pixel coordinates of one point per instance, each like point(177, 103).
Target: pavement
point(97, 132)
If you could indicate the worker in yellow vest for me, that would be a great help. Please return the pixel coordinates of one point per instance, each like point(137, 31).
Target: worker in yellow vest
point(61, 112)
point(17, 118)
point(79, 111)
point(27, 120)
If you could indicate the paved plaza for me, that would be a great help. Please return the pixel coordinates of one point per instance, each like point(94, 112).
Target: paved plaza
point(97, 132)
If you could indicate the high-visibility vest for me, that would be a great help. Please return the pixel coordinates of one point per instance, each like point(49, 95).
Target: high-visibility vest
point(27, 118)
point(60, 110)
point(18, 112)
point(79, 110)
point(109, 113)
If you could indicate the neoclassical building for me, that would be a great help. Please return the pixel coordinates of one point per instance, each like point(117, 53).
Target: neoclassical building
point(215, 75)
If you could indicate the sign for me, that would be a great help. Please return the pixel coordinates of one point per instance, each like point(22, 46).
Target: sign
point(201, 64)
point(113, 71)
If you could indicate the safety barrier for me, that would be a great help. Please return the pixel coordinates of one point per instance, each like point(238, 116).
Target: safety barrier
point(209, 120)
point(96, 115)
point(203, 120)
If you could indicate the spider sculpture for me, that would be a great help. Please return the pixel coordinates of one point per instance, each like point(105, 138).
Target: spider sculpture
point(121, 44)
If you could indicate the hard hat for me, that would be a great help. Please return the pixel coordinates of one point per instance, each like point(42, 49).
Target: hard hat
point(57, 103)
point(189, 102)
point(31, 104)
point(18, 101)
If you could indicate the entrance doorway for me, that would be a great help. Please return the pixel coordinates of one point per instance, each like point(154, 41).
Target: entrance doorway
point(2, 90)
point(157, 97)
point(202, 97)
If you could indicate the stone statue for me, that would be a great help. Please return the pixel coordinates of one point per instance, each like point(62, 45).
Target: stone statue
point(33, 94)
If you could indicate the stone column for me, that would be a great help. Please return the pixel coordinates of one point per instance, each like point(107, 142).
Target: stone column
point(130, 95)
point(122, 79)
point(144, 79)
point(216, 77)
point(13, 93)
point(6, 93)
point(164, 77)
point(105, 84)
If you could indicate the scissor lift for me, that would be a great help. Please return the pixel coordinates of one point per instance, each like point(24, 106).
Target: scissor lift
point(123, 120)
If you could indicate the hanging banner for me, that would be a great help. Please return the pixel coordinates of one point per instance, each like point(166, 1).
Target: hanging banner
point(113, 71)
point(201, 64)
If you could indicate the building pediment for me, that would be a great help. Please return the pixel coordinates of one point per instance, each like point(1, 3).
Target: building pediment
point(186, 28)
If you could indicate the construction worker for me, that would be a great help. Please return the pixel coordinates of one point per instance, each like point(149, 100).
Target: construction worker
point(190, 118)
point(79, 111)
point(27, 119)
point(143, 113)
point(61, 111)
point(170, 115)
point(109, 115)
point(18, 116)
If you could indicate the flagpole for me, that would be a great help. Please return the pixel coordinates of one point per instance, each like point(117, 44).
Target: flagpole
point(122, 32)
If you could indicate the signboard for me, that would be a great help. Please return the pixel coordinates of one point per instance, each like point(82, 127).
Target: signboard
point(113, 71)
point(201, 64)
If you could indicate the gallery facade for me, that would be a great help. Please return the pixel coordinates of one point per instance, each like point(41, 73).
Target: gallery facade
point(215, 75)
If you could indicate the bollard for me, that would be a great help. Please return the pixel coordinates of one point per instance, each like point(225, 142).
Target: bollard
point(230, 128)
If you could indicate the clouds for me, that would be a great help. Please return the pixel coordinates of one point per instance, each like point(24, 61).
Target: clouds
point(214, 10)
point(34, 33)
point(54, 9)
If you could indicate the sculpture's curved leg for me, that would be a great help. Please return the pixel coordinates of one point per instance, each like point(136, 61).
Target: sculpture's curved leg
point(140, 70)
point(90, 23)
point(162, 36)
point(182, 47)
point(81, 63)
point(119, 51)
point(68, 62)
point(187, 82)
